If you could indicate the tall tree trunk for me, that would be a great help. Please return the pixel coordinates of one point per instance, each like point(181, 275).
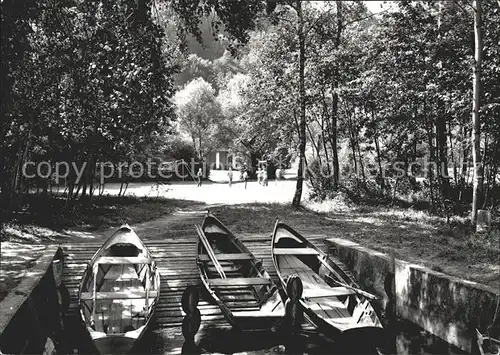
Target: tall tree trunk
point(335, 99)
point(490, 173)
point(325, 120)
point(327, 157)
point(464, 170)
point(493, 173)
point(353, 144)
point(316, 147)
point(361, 165)
point(476, 123)
point(302, 98)
point(430, 135)
point(333, 138)
point(453, 160)
point(379, 158)
point(442, 153)
point(379, 162)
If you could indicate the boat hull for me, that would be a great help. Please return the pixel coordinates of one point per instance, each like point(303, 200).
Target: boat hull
point(139, 282)
point(244, 323)
point(371, 335)
point(114, 344)
point(343, 315)
point(262, 313)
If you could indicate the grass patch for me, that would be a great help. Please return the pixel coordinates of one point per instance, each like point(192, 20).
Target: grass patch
point(418, 237)
point(261, 217)
point(56, 214)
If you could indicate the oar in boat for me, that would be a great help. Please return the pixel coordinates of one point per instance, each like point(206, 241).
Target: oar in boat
point(210, 251)
point(235, 280)
point(355, 289)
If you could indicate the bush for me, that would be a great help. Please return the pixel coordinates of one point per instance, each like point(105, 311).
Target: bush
point(178, 149)
point(320, 181)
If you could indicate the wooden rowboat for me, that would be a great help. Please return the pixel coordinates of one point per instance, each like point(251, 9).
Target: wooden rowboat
point(119, 292)
point(236, 280)
point(329, 298)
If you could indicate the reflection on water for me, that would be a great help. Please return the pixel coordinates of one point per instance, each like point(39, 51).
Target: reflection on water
point(190, 348)
point(402, 337)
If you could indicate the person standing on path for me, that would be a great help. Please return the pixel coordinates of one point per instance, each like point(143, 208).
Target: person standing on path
point(245, 178)
point(264, 177)
point(199, 175)
point(230, 176)
point(278, 176)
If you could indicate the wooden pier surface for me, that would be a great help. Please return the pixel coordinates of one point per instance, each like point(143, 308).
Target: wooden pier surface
point(175, 254)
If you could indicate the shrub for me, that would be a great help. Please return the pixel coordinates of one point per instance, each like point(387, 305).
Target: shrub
point(320, 181)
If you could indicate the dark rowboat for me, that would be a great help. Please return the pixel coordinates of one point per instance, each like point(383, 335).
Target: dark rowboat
point(236, 280)
point(330, 299)
point(119, 292)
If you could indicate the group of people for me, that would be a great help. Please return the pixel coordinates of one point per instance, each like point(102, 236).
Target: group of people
point(261, 177)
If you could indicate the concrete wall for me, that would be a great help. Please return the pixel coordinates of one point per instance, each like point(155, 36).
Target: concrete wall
point(445, 306)
point(30, 321)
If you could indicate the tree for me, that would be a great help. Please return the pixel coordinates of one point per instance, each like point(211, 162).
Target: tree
point(476, 123)
point(92, 85)
point(200, 115)
point(302, 103)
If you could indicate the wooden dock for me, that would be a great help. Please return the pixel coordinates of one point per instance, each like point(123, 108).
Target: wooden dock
point(175, 254)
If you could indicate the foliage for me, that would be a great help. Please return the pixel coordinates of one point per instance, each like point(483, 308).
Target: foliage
point(200, 115)
point(320, 181)
point(94, 86)
point(89, 82)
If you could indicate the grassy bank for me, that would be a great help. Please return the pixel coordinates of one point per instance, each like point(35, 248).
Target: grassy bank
point(40, 221)
point(454, 249)
point(39, 216)
point(416, 236)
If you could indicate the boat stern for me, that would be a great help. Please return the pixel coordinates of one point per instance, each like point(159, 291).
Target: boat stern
point(114, 344)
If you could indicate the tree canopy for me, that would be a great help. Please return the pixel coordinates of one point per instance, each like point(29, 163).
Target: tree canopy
point(379, 106)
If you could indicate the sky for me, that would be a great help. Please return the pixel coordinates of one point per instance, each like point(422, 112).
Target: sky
point(373, 6)
point(376, 6)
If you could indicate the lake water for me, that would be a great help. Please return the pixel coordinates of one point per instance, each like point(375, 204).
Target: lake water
point(402, 337)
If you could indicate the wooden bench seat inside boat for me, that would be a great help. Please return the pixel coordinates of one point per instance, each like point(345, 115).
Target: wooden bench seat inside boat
point(120, 304)
point(117, 260)
point(295, 251)
point(240, 281)
point(228, 269)
point(258, 313)
point(119, 316)
point(317, 294)
point(228, 256)
point(117, 295)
